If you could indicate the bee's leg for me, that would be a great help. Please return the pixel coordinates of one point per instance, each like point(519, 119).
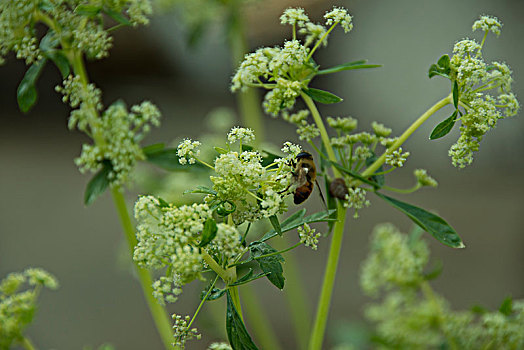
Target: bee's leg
point(321, 195)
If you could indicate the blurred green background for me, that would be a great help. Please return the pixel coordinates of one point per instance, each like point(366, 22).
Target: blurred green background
point(43, 221)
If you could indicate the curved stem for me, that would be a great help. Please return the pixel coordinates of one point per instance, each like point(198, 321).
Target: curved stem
point(319, 328)
point(374, 167)
point(162, 322)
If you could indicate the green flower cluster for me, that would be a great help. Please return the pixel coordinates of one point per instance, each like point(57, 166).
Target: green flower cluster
point(410, 315)
point(484, 91)
point(117, 132)
point(79, 24)
point(180, 238)
point(287, 70)
point(17, 306)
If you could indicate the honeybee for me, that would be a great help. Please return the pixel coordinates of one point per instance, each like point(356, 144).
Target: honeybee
point(304, 177)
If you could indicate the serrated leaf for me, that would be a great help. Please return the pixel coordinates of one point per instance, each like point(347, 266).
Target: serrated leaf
point(506, 308)
point(444, 127)
point(276, 224)
point(355, 175)
point(248, 277)
point(209, 232)
point(443, 62)
point(98, 184)
point(429, 222)
point(117, 16)
point(322, 96)
point(455, 94)
point(215, 294)
point(348, 66)
point(88, 10)
point(26, 94)
point(237, 334)
point(269, 264)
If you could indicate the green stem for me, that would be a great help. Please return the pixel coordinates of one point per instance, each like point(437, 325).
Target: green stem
point(162, 322)
point(374, 167)
point(319, 327)
point(248, 101)
point(26, 343)
point(233, 292)
point(202, 302)
point(258, 319)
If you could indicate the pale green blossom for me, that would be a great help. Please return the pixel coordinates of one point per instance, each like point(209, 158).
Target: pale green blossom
point(424, 179)
point(308, 236)
point(396, 158)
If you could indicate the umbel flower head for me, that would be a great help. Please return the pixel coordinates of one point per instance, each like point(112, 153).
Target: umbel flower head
point(484, 92)
point(286, 71)
point(178, 239)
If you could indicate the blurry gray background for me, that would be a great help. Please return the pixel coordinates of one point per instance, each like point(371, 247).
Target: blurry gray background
point(43, 221)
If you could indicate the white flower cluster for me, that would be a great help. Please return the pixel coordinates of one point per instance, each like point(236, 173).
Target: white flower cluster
point(243, 135)
point(182, 333)
point(117, 135)
point(342, 124)
point(396, 158)
point(187, 151)
point(356, 199)
point(308, 236)
point(286, 71)
point(168, 237)
point(484, 92)
point(339, 15)
point(85, 33)
point(226, 245)
point(219, 346)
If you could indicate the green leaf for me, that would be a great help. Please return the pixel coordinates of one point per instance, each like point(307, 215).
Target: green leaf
point(60, 60)
point(248, 277)
point(443, 62)
point(163, 203)
point(429, 222)
point(237, 334)
point(215, 294)
point(267, 157)
point(98, 183)
point(506, 308)
point(435, 70)
point(347, 66)
point(88, 10)
point(209, 232)
point(220, 150)
point(322, 96)
point(355, 175)
point(202, 189)
point(276, 224)
point(117, 16)
point(455, 94)
point(444, 127)
point(26, 94)
point(270, 264)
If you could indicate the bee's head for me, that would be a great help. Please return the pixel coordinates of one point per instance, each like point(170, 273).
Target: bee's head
point(304, 155)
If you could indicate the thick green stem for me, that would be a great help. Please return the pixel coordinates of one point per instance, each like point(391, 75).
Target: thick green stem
point(319, 327)
point(162, 322)
point(374, 167)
